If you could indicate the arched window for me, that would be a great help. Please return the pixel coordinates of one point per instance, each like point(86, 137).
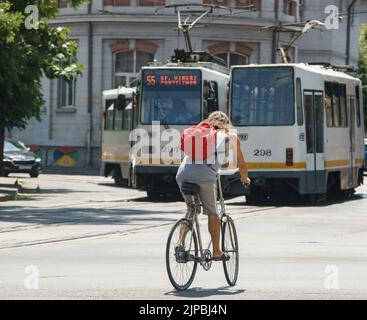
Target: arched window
point(127, 65)
point(233, 58)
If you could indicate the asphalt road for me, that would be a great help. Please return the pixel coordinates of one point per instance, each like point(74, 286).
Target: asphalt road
point(79, 237)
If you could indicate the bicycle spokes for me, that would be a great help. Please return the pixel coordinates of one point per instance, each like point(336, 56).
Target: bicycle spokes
point(181, 251)
point(230, 248)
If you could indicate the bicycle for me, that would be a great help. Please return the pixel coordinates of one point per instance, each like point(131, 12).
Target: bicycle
point(184, 249)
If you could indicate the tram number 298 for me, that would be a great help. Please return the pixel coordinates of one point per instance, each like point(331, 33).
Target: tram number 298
point(262, 152)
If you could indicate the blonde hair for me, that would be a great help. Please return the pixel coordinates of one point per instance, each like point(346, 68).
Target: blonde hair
point(219, 120)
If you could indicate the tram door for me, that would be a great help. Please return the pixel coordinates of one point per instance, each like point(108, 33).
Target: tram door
point(352, 141)
point(314, 112)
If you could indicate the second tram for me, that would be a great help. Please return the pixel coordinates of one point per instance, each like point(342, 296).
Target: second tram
point(301, 126)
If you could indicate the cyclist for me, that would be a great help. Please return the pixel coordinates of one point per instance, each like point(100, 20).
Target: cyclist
point(205, 175)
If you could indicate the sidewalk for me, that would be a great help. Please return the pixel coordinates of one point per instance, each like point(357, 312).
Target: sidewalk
point(85, 171)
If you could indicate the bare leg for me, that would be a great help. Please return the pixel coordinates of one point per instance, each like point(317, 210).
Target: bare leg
point(214, 230)
point(185, 229)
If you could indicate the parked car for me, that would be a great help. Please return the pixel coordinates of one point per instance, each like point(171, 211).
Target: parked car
point(19, 159)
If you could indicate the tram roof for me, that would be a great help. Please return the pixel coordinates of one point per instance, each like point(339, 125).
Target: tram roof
point(314, 68)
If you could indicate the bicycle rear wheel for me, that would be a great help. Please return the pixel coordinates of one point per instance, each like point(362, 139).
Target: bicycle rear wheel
point(181, 255)
point(230, 248)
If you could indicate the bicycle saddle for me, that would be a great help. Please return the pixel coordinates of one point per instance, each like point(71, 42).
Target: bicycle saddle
point(189, 188)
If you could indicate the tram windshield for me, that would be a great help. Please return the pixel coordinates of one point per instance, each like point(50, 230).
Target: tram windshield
point(262, 96)
point(171, 96)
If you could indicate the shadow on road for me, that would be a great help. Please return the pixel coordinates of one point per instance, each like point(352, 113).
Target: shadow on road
point(205, 293)
point(75, 216)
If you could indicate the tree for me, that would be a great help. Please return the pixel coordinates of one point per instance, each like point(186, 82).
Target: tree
point(29, 50)
point(362, 67)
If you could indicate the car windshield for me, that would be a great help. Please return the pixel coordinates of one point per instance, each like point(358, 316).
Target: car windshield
point(171, 96)
point(14, 146)
point(262, 96)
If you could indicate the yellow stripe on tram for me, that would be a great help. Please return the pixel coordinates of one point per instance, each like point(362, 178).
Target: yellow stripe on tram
point(276, 165)
point(359, 161)
point(336, 163)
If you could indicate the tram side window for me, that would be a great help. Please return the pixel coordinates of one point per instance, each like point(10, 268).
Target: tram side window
point(109, 115)
point(127, 115)
point(299, 102)
point(343, 105)
point(336, 104)
point(329, 103)
point(358, 108)
point(118, 118)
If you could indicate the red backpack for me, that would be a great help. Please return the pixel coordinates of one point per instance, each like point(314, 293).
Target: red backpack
point(199, 142)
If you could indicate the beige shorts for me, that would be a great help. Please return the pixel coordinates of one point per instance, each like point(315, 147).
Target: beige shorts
point(208, 197)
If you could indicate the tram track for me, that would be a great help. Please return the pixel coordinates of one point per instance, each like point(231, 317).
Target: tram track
point(113, 232)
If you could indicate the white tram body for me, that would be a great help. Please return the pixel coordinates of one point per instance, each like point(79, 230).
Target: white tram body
point(300, 126)
point(116, 126)
point(177, 95)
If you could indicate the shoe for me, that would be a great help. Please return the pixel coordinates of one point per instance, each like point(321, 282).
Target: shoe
point(180, 253)
point(179, 248)
point(223, 257)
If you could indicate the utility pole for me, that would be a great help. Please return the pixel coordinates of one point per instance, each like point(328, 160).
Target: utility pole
point(349, 27)
point(90, 89)
point(275, 39)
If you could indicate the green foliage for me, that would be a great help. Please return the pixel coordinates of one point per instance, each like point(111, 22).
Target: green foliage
point(26, 55)
point(362, 67)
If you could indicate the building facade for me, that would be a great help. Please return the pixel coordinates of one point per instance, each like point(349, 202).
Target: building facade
point(117, 37)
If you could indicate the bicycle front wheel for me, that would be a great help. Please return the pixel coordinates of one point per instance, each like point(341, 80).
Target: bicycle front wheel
point(182, 255)
point(230, 248)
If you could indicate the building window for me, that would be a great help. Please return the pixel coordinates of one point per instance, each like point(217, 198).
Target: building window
point(151, 3)
point(116, 3)
point(256, 4)
point(289, 54)
point(217, 2)
point(290, 7)
point(233, 58)
point(67, 93)
point(233, 53)
point(128, 64)
point(62, 4)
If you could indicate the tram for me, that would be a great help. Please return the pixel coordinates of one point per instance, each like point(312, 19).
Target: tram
point(167, 98)
point(301, 126)
point(172, 96)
